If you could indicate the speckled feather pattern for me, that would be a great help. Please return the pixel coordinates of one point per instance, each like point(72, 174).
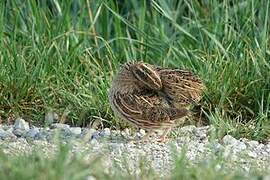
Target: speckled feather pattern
point(151, 97)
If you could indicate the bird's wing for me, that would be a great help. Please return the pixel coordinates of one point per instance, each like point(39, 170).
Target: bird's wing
point(182, 86)
point(146, 111)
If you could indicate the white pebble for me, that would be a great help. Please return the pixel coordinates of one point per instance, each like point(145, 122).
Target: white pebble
point(253, 144)
point(21, 124)
point(229, 140)
point(107, 132)
point(32, 132)
point(75, 130)
point(60, 126)
point(142, 132)
point(252, 154)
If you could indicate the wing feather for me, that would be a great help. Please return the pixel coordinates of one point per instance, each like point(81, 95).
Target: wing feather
point(141, 110)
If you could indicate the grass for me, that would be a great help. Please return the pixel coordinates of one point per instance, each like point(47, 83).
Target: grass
point(65, 165)
point(62, 55)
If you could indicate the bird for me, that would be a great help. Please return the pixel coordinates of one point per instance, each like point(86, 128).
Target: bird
point(151, 97)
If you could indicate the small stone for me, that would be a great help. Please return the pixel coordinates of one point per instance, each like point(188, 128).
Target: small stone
point(203, 128)
point(76, 130)
point(51, 117)
point(6, 127)
point(87, 132)
point(3, 134)
point(260, 146)
point(217, 147)
point(94, 141)
point(241, 146)
point(107, 132)
point(246, 168)
point(117, 132)
point(90, 178)
point(10, 130)
point(230, 153)
point(142, 132)
point(22, 141)
point(252, 154)
point(267, 148)
point(21, 124)
point(125, 132)
point(60, 126)
point(253, 144)
point(229, 140)
point(200, 133)
point(189, 129)
point(65, 132)
point(7, 135)
point(32, 133)
point(200, 147)
point(19, 132)
point(42, 135)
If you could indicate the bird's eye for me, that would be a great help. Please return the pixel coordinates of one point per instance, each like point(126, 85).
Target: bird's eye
point(140, 74)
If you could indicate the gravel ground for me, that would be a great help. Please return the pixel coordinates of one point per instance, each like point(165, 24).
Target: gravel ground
point(117, 148)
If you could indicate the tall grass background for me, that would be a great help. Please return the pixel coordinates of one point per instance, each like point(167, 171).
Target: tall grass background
point(62, 55)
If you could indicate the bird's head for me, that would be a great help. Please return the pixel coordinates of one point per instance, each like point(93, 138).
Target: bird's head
point(146, 75)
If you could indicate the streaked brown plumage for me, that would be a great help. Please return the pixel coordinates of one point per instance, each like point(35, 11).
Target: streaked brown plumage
point(146, 111)
point(151, 97)
point(183, 87)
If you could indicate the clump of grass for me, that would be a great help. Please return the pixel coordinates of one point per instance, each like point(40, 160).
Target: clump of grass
point(62, 55)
